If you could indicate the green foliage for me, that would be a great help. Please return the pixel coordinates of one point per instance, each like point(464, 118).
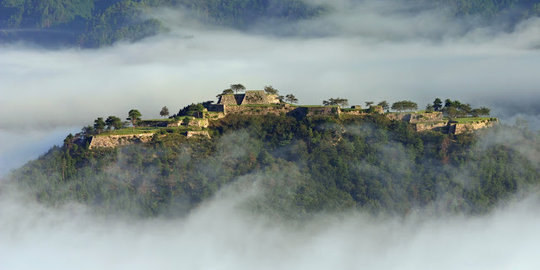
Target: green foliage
point(491, 8)
point(336, 102)
point(456, 109)
point(113, 122)
point(95, 23)
point(291, 99)
point(303, 166)
point(164, 111)
point(237, 87)
point(134, 116)
point(195, 110)
point(271, 90)
point(99, 125)
point(404, 105)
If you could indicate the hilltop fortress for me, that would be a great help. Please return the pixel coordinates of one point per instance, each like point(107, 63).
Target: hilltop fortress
point(258, 102)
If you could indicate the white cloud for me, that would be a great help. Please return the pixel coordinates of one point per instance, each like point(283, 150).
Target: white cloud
point(219, 235)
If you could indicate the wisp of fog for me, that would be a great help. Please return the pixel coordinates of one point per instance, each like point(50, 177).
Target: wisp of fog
point(222, 235)
point(361, 50)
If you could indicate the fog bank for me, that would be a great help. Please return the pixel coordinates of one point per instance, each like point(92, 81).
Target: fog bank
point(223, 235)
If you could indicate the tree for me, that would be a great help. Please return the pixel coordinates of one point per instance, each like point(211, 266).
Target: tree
point(437, 104)
point(336, 101)
point(164, 111)
point(384, 104)
point(88, 131)
point(237, 87)
point(114, 122)
point(429, 108)
point(271, 90)
point(134, 117)
point(192, 110)
point(69, 140)
point(99, 125)
point(226, 92)
point(369, 103)
point(291, 98)
point(404, 105)
point(482, 111)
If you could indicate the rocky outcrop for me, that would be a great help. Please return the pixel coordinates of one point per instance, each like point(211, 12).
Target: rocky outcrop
point(111, 141)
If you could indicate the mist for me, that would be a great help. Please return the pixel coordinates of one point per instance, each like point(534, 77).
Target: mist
point(221, 234)
point(361, 50)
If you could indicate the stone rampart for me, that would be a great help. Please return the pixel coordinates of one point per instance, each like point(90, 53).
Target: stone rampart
point(277, 109)
point(430, 125)
point(459, 128)
point(416, 117)
point(111, 141)
point(191, 134)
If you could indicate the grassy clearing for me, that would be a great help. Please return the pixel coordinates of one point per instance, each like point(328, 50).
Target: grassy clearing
point(129, 131)
point(158, 120)
point(142, 130)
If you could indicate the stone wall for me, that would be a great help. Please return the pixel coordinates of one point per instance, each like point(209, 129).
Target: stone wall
point(353, 112)
point(259, 110)
point(459, 128)
point(112, 141)
point(227, 100)
point(416, 117)
point(258, 97)
point(198, 122)
point(430, 125)
point(191, 134)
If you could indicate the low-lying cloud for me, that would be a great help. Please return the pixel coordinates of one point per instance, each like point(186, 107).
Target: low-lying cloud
point(221, 234)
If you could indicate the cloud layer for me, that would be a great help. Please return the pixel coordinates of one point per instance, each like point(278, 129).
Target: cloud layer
point(220, 235)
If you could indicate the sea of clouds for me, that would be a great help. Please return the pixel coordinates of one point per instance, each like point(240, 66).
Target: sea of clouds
point(362, 50)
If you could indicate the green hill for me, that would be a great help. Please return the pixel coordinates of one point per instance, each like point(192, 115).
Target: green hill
point(302, 166)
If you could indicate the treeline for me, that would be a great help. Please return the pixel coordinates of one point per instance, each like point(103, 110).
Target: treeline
point(303, 166)
point(490, 8)
point(94, 23)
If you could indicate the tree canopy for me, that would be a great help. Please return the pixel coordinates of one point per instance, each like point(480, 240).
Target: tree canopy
point(134, 117)
point(237, 87)
point(404, 105)
point(164, 111)
point(336, 101)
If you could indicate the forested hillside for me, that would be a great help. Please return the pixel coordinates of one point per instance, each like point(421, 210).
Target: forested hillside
point(518, 8)
point(95, 23)
point(301, 166)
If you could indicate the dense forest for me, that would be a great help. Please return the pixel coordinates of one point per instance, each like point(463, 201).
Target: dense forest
point(95, 23)
point(301, 166)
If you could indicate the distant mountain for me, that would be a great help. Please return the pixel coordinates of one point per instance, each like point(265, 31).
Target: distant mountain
point(95, 23)
point(517, 8)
